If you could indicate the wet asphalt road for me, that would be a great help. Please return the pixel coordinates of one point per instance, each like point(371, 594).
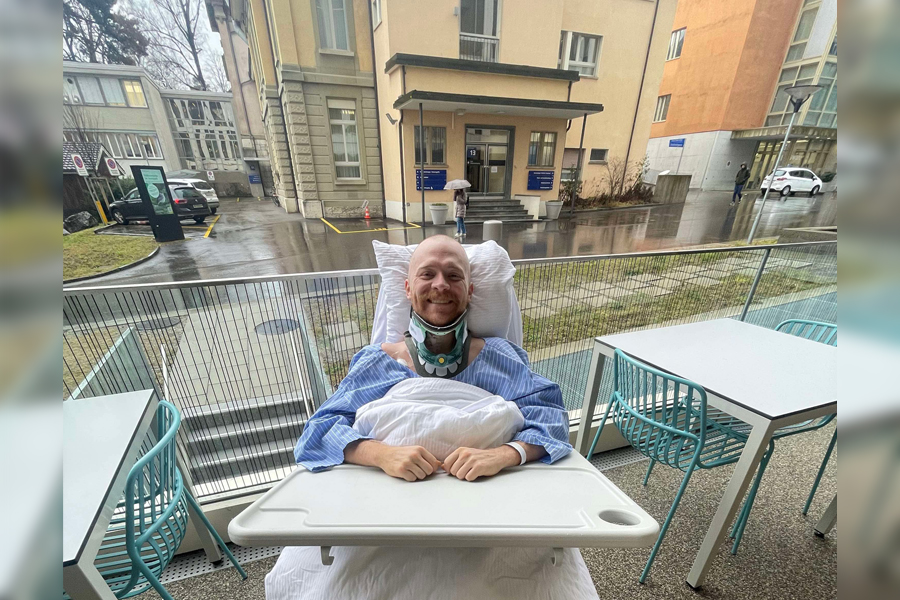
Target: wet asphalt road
point(254, 237)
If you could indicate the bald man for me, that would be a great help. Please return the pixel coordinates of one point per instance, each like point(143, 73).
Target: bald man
point(438, 344)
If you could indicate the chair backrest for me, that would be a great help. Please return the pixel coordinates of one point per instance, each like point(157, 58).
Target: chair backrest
point(154, 501)
point(810, 330)
point(661, 415)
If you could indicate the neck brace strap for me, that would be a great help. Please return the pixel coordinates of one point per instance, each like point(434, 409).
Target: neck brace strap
point(429, 363)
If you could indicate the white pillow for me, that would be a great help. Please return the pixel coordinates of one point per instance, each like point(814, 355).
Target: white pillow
point(493, 310)
point(440, 415)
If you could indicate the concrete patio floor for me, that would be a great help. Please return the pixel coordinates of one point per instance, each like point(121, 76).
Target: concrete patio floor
point(779, 556)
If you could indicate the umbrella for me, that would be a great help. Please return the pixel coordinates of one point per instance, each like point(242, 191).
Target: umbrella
point(457, 184)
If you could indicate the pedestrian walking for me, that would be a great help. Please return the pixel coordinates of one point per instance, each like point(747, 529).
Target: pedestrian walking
point(462, 201)
point(740, 180)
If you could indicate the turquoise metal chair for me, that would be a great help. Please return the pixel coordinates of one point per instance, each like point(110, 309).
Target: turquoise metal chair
point(816, 331)
point(666, 419)
point(151, 521)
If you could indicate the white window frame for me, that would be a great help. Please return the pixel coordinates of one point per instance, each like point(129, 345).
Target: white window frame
point(325, 16)
point(106, 84)
point(71, 91)
point(662, 108)
point(150, 140)
point(83, 84)
point(140, 89)
point(566, 64)
point(801, 43)
point(676, 44)
point(429, 145)
point(345, 105)
point(376, 14)
point(595, 161)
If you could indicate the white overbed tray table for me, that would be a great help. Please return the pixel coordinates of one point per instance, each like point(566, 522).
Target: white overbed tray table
point(569, 504)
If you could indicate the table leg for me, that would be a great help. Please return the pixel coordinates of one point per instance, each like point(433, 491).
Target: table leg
point(83, 581)
point(734, 493)
point(595, 375)
point(826, 523)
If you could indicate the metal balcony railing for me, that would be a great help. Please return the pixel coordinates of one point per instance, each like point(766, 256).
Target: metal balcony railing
point(248, 360)
point(482, 48)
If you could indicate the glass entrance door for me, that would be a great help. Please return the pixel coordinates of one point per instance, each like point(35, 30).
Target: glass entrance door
point(487, 156)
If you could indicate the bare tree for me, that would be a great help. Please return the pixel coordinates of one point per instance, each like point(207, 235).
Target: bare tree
point(217, 77)
point(177, 33)
point(78, 122)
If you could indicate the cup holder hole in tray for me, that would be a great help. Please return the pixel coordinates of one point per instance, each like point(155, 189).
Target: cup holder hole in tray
point(620, 517)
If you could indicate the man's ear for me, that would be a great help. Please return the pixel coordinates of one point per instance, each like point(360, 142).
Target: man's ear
point(471, 290)
point(406, 287)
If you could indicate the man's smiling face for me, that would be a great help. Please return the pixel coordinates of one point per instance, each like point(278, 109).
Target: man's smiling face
point(438, 284)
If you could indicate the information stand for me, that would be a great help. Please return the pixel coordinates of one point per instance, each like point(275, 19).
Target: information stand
point(154, 190)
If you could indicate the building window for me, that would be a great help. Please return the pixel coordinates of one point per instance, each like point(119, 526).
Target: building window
point(662, 108)
point(233, 142)
point(676, 42)
point(134, 93)
point(478, 30)
point(790, 76)
point(176, 113)
point(218, 114)
point(376, 13)
point(579, 52)
point(344, 138)
point(801, 36)
point(823, 105)
point(130, 145)
point(90, 90)
point(332, 24)
point(599, 155)
point(833, 50)
point(150, 146)
point(111, 142)
point(195, 110)
point(542, 149)
point(112, 89)
point(71, 95)
point(435, 144)
point(183, 142)
point(212, 144)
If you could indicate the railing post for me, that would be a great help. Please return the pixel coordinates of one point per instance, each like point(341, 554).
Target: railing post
point(762, 267)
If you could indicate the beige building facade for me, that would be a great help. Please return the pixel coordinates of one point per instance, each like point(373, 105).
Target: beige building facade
point(514, 96)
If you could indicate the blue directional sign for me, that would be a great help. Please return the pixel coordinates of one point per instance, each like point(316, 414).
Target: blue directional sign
point(255, 178)
point(435, 179)
point(679, 143)
point(540, 180)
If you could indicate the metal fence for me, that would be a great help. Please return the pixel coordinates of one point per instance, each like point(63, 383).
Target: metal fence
point(246, 361)
point(478, 47)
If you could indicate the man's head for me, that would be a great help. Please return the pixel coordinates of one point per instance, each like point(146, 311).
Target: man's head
point(439, 283)
point(743, 165)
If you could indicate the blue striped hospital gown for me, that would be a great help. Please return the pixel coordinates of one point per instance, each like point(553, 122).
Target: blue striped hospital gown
point(500, 368)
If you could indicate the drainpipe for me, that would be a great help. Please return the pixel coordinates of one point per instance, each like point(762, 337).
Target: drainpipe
point(641, 88)
point(422, 157)
point(377, 113)
point(402, 174)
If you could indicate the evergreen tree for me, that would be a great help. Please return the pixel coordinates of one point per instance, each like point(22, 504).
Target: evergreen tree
point(94, 32)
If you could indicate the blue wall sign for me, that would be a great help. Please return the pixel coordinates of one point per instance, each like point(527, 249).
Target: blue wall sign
point(255, 178)
point(435, 179)
point(540, 180)
point(679, 143)
point(472, 152)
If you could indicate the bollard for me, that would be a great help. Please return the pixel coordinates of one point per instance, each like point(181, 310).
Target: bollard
point(492, 230)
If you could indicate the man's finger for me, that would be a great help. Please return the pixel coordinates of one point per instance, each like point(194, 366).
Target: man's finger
point(450, 462)
point(473, 473)
point(423, 464)
point(416, 470)
point(407, 476)
point(463, 470)
point(434, 462)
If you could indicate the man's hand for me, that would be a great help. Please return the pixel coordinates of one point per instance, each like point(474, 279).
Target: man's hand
point(405, 462)
point(468, 464)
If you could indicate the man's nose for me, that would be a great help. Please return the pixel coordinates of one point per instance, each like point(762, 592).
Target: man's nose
point(440, 282)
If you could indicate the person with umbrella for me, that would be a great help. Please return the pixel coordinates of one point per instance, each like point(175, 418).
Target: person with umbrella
point(461, 200)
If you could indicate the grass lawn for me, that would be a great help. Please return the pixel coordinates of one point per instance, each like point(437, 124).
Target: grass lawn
point(85, 253)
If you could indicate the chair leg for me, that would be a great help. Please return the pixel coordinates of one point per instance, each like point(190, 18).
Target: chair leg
point(649, 470)
point(738, 531)
point(153, 581)
point(821, 472)
point(599, 429)
point(215, 534)
point(665, 526)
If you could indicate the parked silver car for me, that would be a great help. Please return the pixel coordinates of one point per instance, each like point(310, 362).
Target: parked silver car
point(204, 188)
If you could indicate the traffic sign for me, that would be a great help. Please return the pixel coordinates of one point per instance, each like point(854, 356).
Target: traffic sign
point(79, 165)
point(113, 167)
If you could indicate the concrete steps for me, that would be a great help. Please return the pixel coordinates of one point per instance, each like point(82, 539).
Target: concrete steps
point(495, 208)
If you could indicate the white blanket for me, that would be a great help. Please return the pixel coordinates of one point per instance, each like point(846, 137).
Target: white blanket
point(440, 415)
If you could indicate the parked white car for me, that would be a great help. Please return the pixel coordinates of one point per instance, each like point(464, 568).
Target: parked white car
point(792, 179)
point(212, 199)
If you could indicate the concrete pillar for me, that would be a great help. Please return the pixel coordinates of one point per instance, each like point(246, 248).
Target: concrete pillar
point(279, 157)
point(301, 150)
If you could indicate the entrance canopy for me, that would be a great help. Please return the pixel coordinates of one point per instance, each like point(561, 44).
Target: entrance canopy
point(446, 102)
point(777, 133)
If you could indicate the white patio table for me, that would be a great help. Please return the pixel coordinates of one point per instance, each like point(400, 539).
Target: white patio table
point(765, 378)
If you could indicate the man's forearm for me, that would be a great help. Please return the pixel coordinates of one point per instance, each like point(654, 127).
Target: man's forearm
point(364, 452)
point(532, 453)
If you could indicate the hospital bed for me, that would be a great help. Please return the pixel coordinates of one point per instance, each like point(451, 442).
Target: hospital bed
point(568, 504)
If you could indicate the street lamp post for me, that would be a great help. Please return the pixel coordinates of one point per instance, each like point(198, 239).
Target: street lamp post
point(799, 94)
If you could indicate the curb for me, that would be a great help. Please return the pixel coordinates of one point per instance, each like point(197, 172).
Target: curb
point(116, 270)
point(590, 210)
